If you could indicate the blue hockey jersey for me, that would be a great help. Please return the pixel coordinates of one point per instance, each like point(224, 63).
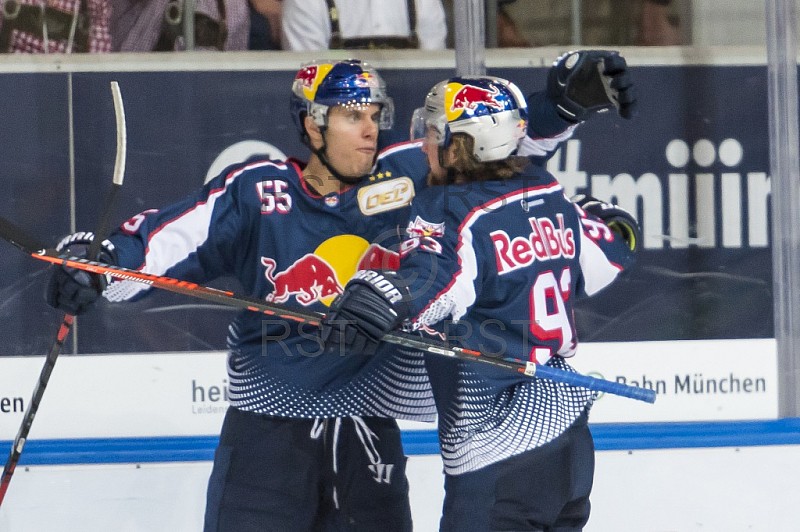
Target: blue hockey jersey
point(499, 264)
point(262, 223)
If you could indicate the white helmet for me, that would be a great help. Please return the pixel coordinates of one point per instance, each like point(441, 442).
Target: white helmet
point(491, 110)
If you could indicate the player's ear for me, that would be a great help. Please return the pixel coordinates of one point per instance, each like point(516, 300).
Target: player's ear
point(314, 132)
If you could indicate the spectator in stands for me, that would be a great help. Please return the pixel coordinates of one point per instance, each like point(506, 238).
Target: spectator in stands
point(158, 25)
point(508, 35)
point(363, 24)
point(265, 24)
point(657, 26)
point(33, 26)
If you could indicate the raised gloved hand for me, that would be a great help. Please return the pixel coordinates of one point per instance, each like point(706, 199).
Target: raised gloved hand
point(74, 291)
point(616, 218)
point(585, 82)
point(372, 304)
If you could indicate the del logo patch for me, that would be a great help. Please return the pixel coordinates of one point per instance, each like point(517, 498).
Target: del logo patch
point(385, 196)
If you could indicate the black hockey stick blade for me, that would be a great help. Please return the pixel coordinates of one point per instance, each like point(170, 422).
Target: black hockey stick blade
point(19, 238)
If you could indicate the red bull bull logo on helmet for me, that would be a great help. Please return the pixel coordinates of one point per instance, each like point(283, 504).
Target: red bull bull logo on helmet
point(365, 79)
point(310, 76)
point(307, 76)
point(469, 97)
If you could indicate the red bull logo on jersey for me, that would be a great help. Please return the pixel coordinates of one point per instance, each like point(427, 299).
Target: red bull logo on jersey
point(469, 97)
point(379, 258)
point(309, 279)
point(422, 228)
point(546, 241)
point(320, 276)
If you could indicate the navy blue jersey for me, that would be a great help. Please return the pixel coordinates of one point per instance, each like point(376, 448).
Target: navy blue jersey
point(500, 263)
point(262, 223)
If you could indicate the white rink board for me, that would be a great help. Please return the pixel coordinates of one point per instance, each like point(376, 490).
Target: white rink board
point(108, 396)
point(697, 380)
point(183, 394)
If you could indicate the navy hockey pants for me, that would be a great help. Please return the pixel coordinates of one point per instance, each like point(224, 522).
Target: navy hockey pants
point(303, 475)
point(543, 490)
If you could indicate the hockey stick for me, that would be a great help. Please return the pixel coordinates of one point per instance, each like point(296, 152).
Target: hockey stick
point(29, 245)
point(66, 324)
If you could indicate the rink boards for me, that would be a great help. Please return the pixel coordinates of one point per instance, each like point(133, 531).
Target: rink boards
point(161, 406)
point(127, 428)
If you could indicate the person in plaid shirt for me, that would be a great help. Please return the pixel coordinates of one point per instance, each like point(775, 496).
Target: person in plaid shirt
point(55, 26)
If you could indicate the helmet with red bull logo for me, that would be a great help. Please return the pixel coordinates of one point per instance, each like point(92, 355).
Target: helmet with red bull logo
point(322, 84)
point(491, 110)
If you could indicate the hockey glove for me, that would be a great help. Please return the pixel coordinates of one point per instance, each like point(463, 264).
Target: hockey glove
point(74, 291)
point(372, 304)
point(616, 218)
point(583, 83)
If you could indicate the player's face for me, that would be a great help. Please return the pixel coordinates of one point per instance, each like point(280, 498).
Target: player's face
point(352, 138)
point(430, 147)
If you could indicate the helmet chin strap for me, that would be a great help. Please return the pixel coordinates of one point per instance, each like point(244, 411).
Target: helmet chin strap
point(322, 154)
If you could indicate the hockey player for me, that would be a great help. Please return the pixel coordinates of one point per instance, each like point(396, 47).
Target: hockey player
point(309, 442)
point(498, 254)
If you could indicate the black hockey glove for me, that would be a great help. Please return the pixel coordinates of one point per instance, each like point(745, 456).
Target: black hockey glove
point(74, 291)
point(585, 82)
point(373, 303)
point(616, 218)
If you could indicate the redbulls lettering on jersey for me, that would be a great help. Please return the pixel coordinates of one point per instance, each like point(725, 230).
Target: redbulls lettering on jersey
point(545, 242)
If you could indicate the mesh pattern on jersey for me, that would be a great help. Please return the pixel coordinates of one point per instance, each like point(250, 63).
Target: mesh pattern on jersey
point(117, 290)
point(481, 427)
point(397, 387)
point(438, 310)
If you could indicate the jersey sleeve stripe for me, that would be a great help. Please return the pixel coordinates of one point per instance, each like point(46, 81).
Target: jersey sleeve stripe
point(177, 238)
point(400, 146)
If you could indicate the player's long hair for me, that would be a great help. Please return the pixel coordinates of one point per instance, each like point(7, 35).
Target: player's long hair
point(466, 168)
